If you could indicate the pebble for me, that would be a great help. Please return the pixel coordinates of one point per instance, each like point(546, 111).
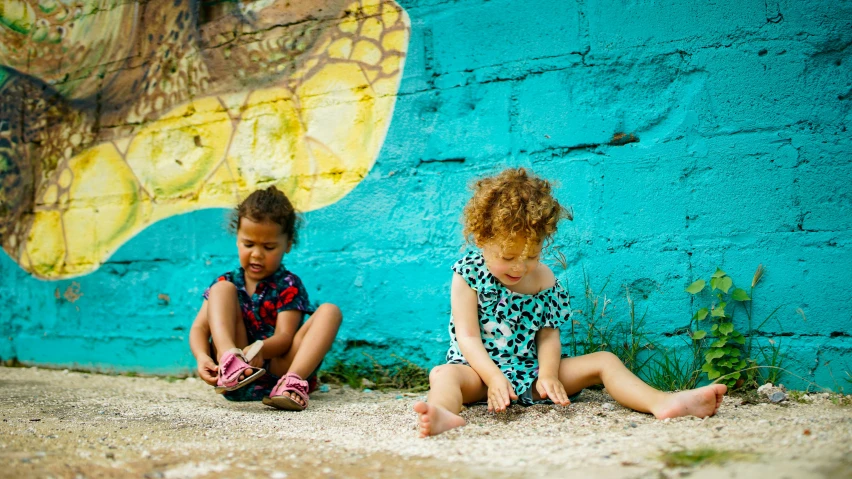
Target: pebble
point(278, 475)
point(607, 406)
point(777, 396)
point(774, 394)
point(324, 388)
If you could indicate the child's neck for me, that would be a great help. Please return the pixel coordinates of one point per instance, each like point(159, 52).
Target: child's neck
point(531, 283)
point(251, 285)
point(527, 285)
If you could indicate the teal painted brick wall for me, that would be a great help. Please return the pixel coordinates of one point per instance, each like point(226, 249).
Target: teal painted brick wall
point(741, 111)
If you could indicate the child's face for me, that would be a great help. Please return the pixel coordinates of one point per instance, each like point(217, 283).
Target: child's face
point(508, 262)
point(261, 247)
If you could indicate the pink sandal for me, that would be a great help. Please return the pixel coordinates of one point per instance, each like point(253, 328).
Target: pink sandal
point(231, 369)
point(290, 383)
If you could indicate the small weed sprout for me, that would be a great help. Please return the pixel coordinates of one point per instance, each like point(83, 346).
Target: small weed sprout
point(695, 457)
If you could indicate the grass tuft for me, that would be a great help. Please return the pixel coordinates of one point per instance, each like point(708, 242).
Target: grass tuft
point(696, 457)
point(403, 374)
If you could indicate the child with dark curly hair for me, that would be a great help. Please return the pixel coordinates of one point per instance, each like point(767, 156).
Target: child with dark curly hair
point(255, 315)
point(507, 308)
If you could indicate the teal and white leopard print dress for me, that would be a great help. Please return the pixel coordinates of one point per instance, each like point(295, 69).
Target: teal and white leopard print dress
point(508, 321)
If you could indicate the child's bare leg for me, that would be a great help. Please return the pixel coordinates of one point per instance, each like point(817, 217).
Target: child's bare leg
point(450, 386)
point(630, 391)
point(226, 320)
point(317, 336)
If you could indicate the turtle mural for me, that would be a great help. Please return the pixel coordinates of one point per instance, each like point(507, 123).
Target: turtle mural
point(115, 114)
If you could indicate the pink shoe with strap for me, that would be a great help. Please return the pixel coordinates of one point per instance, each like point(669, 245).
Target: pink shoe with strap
point(291, 383)
point(231, 370)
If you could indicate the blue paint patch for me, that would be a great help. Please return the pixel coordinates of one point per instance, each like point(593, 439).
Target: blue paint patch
point(684, 136)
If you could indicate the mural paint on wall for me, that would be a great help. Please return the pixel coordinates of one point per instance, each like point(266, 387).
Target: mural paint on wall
point(118, 114)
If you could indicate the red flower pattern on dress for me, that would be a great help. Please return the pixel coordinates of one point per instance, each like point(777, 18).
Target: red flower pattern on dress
point(287, 295)
point(281, 291)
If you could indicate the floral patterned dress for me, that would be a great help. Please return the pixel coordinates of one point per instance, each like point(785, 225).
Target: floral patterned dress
point(280, 291)
point(508, 321)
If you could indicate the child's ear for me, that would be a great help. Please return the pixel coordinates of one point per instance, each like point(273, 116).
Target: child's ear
point(287, 245)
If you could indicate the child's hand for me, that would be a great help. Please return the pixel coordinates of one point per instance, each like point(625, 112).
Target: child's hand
point(208, 371)
point(550, 387)
point(500, 394)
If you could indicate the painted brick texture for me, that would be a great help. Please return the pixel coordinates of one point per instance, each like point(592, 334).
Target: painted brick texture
point(740, 155)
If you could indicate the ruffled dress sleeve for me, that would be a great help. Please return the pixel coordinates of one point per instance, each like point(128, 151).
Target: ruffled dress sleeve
point(292, 295)
point(470, 267)
point(557, 307)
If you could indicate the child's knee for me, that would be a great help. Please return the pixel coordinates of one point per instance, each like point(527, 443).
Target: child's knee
point(331, 312)
point(223, 288)
point(608, 358)
point(440, 373)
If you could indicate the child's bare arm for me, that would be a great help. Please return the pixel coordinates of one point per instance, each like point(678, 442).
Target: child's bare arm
point(466, 317)
point(199, 334)
point(549, 346)
point(464, 304)
point(199, 344)
point(285, 328)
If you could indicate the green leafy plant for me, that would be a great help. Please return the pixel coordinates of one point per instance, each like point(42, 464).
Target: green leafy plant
point(725, 356)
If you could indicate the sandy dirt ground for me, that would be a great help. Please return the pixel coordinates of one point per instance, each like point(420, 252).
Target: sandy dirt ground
point(79, 425)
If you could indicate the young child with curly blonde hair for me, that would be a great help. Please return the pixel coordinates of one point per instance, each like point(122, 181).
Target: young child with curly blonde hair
point(507, 308)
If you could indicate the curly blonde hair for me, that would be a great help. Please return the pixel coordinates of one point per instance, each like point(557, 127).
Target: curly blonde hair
point(513, 204)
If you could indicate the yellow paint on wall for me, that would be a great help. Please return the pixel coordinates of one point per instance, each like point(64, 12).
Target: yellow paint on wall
point(47, 255)
point(173, 155)
point(314, 133)
point(104, 207)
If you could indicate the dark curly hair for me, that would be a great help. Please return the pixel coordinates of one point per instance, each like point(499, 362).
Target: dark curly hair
point(512, 204)
point(268, 205)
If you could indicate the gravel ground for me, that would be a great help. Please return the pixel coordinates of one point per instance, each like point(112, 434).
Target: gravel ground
point(70, 424)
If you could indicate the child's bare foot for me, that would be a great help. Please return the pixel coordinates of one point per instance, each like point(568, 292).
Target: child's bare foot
point(434, 420)
point(701, 402)
point(295, 397)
